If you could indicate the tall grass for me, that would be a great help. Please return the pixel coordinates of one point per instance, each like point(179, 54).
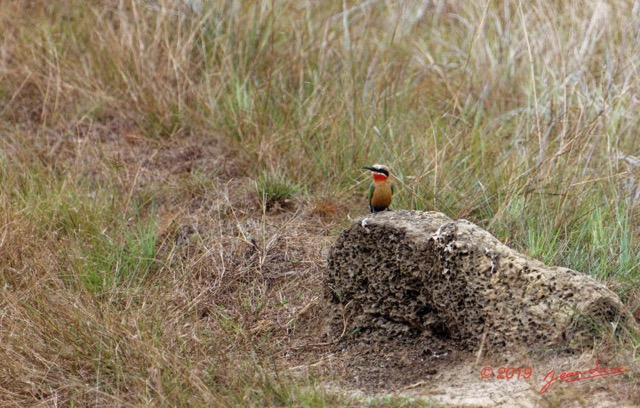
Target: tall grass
point(520, 116)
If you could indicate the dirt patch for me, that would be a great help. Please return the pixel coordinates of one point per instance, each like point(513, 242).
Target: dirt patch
point(117, 149)
point(444, 374)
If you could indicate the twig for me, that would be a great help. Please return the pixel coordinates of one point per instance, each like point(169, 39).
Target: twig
point(408, 387)
point(484, 338)
point(302, 311)
point(344, 330)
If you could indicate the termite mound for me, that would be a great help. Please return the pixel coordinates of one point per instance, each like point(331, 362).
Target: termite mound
point(406, 274)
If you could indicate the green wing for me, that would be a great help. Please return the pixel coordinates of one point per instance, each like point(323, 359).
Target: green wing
point(371, 188)
point(393, 188)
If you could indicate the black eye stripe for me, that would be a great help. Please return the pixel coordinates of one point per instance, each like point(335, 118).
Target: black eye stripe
point(383, 171)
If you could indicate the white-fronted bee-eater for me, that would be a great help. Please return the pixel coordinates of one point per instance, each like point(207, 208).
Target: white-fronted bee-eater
point(381, 190)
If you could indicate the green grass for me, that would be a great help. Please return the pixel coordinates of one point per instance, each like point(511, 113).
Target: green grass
point(144, 146)
point(276, 188)
point(110, 263)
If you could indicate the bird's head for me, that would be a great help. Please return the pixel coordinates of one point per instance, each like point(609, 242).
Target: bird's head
point(378, 171)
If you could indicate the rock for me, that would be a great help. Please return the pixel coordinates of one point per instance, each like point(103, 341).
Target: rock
point(411, 273)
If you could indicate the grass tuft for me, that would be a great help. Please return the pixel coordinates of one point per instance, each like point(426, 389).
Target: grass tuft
point(275, 188)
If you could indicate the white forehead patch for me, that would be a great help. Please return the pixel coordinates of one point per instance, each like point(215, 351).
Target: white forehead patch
point(379, 169)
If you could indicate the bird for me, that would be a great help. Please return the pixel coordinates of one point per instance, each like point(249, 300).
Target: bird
point(381, 190)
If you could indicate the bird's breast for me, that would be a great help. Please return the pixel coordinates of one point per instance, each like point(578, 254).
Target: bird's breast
point(381, 195)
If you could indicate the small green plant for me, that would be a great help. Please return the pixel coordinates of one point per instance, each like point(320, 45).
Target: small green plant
point(111, 263)
point(275, 188)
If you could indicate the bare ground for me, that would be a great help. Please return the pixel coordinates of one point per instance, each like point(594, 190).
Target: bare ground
point(438, 371)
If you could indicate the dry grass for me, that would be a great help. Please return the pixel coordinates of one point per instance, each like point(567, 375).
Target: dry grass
point(171, 180)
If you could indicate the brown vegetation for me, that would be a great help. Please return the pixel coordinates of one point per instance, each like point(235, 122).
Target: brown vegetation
point(172, 180)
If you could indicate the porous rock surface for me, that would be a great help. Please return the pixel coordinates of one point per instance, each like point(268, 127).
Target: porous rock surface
point(411, 273)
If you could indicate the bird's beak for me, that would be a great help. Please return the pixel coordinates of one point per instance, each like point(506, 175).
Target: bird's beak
point(368, 168)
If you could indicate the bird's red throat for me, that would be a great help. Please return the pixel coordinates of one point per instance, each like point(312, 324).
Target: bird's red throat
point(379, 177)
